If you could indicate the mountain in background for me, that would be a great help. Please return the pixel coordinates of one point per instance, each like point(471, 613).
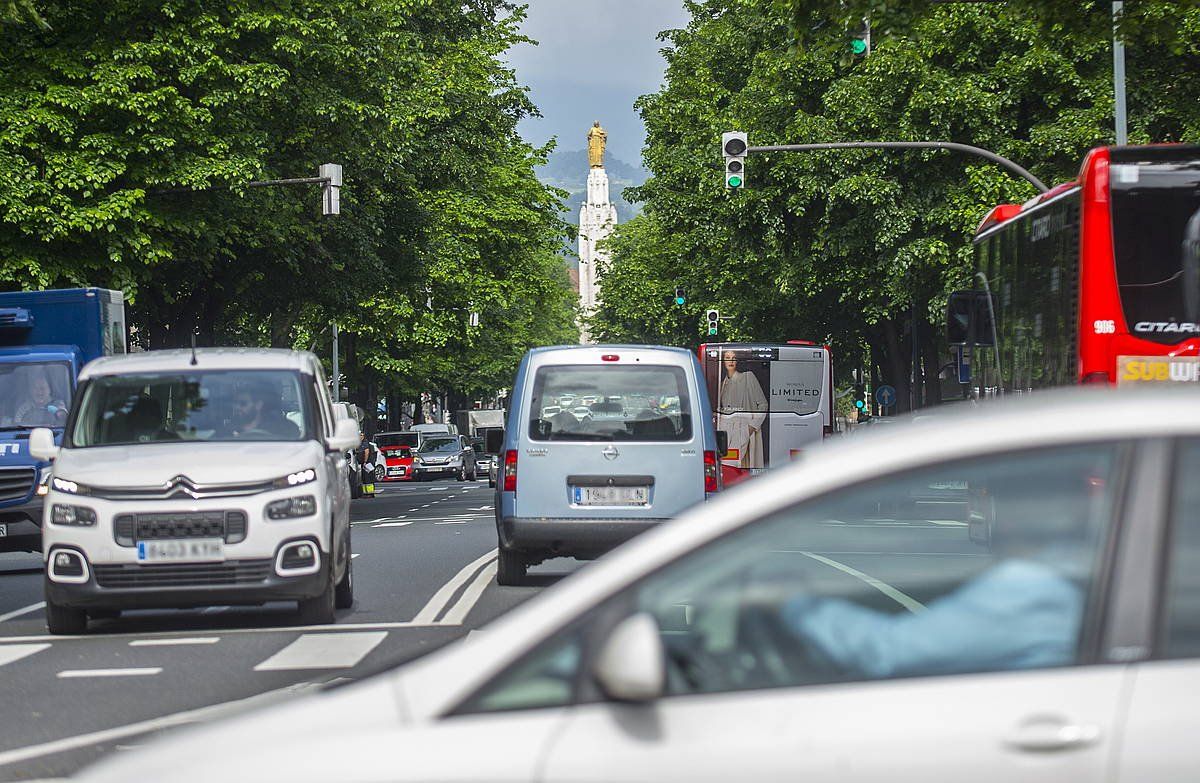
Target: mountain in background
point(568, 169)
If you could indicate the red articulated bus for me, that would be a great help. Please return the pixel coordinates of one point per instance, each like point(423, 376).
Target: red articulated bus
point(1095, 281)
point(773, 401)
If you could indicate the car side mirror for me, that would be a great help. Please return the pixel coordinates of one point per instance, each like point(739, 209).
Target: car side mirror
point(722, 443)
point(41, 444)
point(631, 665)
point(345, 436)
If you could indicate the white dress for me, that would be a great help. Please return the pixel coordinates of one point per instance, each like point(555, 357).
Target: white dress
point(741, 405)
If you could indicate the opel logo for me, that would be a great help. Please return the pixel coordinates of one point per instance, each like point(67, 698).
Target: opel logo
point(611, 453)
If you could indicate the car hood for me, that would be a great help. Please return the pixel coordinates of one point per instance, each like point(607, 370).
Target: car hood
point(152, 464)
point(304, 739)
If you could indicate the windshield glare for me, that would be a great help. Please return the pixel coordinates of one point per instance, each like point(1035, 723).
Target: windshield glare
point(177, 407)
point(440, 447)
point(34, 395)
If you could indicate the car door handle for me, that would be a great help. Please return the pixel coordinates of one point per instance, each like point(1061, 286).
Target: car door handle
point(1046, 733)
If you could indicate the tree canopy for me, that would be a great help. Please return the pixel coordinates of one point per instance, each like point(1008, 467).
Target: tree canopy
point(857, 248)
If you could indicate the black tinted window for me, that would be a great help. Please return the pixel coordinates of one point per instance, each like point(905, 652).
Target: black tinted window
point(1183, 588)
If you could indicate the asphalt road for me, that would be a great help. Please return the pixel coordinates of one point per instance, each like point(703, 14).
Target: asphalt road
point(424, 575)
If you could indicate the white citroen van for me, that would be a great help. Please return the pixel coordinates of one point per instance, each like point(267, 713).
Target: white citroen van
point(192, 478)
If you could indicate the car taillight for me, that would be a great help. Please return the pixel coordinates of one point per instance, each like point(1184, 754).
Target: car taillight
point(510, 470)
point(711, 472)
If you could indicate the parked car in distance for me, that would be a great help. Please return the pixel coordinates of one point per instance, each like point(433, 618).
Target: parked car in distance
point(398, 461)
point(182, 481)
point(1059, 651)
point(449, 456)
point(577, 486)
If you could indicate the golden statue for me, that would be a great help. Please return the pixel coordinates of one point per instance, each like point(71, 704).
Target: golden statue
point(597, 137)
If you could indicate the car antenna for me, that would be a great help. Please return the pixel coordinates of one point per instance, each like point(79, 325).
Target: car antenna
point(193, 348)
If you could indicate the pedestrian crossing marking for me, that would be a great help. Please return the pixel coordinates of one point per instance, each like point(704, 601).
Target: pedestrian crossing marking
point(175, 642)
point(323, 651)
point(70, 674)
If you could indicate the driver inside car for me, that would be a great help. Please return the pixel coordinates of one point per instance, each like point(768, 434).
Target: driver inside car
point(257, 415)
point(1022, 612)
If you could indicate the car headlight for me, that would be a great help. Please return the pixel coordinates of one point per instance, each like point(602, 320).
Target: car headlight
point(305, 476)
point(74, 516)
point(69, 487)
point(291, 508)
point(417, 461)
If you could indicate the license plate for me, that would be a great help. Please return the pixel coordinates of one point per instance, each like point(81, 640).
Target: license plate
point(191, 550)
point(395, 471)
point(611, 496)
point(3, 531)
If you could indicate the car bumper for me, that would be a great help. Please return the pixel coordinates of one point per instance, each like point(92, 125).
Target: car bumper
point(24, 527)
point(575, 537)
point(436, 470)
point(398, 474)
point(167, 589)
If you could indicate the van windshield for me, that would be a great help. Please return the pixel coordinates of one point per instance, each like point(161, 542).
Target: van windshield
point(608, 403)
point(397, 439)
point(34, 394)
point(231, 405)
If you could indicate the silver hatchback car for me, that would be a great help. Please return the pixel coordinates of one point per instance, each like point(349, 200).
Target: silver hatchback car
point(578, 485)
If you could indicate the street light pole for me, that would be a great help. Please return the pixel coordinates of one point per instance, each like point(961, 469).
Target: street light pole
point(1119, 108)
point(337, 383)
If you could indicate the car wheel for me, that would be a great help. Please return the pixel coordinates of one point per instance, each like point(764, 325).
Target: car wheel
point(343, 595)
point(380, 473)
point(65, 620)
point(318, 610)
point(510, 567)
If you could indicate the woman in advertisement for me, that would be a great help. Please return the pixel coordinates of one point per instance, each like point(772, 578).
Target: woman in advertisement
point(741, 410)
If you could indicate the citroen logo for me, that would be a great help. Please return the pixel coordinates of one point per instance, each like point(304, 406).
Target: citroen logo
point(181, 485)
point(610, 452)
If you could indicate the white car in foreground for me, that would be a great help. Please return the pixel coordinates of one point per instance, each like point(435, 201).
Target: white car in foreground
point(831, 621)
point(212, 477)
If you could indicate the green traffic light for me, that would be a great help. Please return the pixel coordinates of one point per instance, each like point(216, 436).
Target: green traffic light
point(679, 300)
point(860, 404)
point(734, 181)
point(858, 46)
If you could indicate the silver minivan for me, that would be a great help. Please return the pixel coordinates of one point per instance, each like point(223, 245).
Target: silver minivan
point(577, 482)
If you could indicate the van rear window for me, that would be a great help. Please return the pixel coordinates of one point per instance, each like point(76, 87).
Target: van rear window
point(610, 403)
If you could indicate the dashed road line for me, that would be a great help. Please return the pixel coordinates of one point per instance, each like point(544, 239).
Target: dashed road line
point(22, 610)
point(429, 613)
point(323, 651)
point(186, 640)
point(15, 652)
point(466, 602)
point(905, 600)
point(72, 674)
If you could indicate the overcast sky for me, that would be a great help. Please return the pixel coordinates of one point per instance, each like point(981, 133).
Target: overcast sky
point(593, 59)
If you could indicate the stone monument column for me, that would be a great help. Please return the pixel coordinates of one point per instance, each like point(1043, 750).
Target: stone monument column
point(597, 217)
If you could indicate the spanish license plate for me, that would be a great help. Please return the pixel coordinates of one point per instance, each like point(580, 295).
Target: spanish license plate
point(194, 550)
point(395, 471)
point(611, 496)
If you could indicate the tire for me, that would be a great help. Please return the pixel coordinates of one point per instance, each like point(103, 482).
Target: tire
point(318, 610)
point(380, 474)
point(510, 568)
point(343, 594)
point(65, 620)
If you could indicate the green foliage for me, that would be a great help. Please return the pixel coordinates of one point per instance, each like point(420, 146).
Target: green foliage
point(841, 246)
point(129, 129)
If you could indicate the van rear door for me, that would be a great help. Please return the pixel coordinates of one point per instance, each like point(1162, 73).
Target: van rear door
point(635, 452)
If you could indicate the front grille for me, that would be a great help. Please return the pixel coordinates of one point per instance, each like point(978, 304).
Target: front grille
point(230, 526)
point(15, 483)
point(233, 572)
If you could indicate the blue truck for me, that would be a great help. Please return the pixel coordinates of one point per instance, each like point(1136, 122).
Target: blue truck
point(45, 339)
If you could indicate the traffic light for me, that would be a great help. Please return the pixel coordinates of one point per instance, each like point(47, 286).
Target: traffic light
point(680, 296)
point(714, 321)
point(860, 40)
point(733, 147)
point(860, 398)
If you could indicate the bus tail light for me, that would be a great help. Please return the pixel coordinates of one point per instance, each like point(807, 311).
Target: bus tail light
point(1095, 377)
point(510, 470)
point(712, 472)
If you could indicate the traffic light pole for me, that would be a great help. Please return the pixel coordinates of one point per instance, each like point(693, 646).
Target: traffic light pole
point(999, 160)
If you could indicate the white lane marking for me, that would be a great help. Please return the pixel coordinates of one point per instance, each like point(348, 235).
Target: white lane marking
point(153, 724)
point(412, 509)
point(483, 508)
point(354, 555)
point(175, 642)
point(71, 674)
point(15, 652)
point(23, 610)
point(442, 597)
point(457, 614)
point(323, 651)
point(949, 522)
point(438, 489)
point(394, 524)
point(452, 522)
point(905, 600)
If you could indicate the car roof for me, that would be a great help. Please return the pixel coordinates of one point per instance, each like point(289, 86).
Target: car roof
point(180, 360)
point(576, 354)
point(1044, 419)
